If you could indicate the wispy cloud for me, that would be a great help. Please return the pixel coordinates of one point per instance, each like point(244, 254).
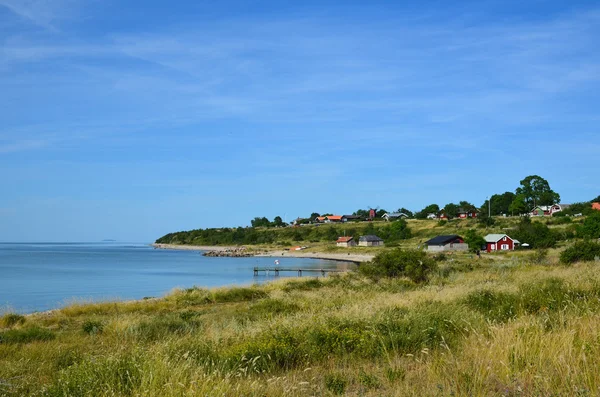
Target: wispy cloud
point(40, 12)
point(23, 145)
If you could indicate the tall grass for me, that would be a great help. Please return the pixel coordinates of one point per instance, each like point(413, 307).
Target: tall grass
point(480, 328)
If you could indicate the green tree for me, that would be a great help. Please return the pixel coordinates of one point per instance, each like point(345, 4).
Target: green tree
point(519, 205)
point(260, 222)
point(405, 211)
point(314, 216)
point(380, 213)
point(536, 234)
point(398, 230)
point(596, 200)
point(499, 204)
point(536, 191)
point(451, 210)
point(474, 240)
point(430, 209)
point(278, 222)
point(362, 213)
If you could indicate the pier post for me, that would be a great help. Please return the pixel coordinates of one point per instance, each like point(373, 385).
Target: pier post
point(256, 271)
point(299, 272)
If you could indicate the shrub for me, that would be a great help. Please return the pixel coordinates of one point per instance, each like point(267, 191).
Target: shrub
point(591, 226)
point(304, 285)
point(442, 222)
point(368, 381)
point(494, 305)
point(91, 327)
point(161, 326)
point(270, 307)
point(540, 256)
point(11, 319)
point(474, 240)
point(581, 251)
point(239, 294)
point(413, 264)
point(26, 335)
point(119, 375)
point(536, 234)
point(335, 383)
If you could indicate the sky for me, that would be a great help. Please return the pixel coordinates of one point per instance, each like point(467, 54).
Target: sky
point(130, 120)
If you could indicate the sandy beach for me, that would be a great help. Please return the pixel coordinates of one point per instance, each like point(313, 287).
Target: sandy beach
point(345, 257)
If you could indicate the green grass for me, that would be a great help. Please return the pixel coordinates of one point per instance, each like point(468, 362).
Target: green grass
point(507, 326)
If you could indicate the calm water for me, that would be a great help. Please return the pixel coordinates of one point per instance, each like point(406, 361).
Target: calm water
point(35, 277)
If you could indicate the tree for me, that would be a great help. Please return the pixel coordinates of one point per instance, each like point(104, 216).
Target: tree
point(596, 200)
point(405, 211)
point(398, 230)
point(362, 213)
point(380, 213)
point(499, 204)
point(430, 209)
point(451, 210)
point(474, 240)
point(314, 216)
point(536, 191)
point(260, 222)
point(466, 206)
point(278, 222)
point(519, 205)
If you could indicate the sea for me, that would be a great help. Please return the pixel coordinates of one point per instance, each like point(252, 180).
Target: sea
point(43, 276)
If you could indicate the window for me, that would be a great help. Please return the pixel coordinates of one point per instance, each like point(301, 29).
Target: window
point(504, 239)
point(493, 247)
point(504, 247)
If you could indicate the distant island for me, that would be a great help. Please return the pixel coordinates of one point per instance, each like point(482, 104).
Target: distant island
point(108, 240)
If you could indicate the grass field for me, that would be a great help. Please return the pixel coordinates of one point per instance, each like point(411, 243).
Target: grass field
point(501, 325)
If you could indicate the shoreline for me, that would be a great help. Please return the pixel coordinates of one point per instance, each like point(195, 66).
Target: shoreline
point(341, 257)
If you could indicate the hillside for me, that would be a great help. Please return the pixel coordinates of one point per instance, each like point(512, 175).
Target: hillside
point(322, 237)
point(513, 325)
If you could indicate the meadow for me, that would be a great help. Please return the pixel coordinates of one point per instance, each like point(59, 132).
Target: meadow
point(505, 324)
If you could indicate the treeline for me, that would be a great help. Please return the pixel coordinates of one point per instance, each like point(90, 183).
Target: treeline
point(390, 232)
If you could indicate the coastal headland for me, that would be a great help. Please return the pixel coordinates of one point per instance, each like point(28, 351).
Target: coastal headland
point(335, 256)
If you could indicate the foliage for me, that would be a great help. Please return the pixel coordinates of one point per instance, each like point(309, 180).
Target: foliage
point(26, 335)
point(335, 383)
point(519, 205)
point(581, 251)
point(430, 209)
point(416, 265)
point(403, 210)
point(536, 191)
point(590, 227)
point(451, 210)
point(91, 327)
point(260, 222)
point(536, 234)
point(475, 241)
point(499, 204)
point(11, 319)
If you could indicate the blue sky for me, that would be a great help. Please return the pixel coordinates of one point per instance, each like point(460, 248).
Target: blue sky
point(128, 120)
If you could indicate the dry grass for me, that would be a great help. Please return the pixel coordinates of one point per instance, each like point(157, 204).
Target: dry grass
point(339, 335)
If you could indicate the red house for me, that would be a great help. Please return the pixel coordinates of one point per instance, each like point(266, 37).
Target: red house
point(464, 214)
point(500, 242)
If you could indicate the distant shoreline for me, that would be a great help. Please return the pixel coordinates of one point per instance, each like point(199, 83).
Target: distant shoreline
point(341, 257)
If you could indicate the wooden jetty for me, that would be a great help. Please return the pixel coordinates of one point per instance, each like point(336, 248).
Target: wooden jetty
point(276, 270)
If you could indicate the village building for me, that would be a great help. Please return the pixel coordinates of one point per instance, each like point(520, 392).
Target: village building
point(548, 210)
point(500, 242)
point(352, 218)
point(431, 216)
point(464, 213)
point(334, 219)
point(320, 219)
point(370, 241)
point(394, 216)
point(596, 206)
point(451, 242)
point(346, 242)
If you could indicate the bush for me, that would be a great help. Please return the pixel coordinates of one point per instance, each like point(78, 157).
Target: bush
point(591, 226)
point(11, 319)
point(335, 383)
point(26, 335)
point(581, 251)
point(495, 306)
point(92, 327)
point(413, 264)
point(442, 222)
point(239, 294)
point(536, 234)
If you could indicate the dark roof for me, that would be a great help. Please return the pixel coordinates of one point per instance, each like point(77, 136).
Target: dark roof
point(443, 240)
point(370, 237)
point(352, 216)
